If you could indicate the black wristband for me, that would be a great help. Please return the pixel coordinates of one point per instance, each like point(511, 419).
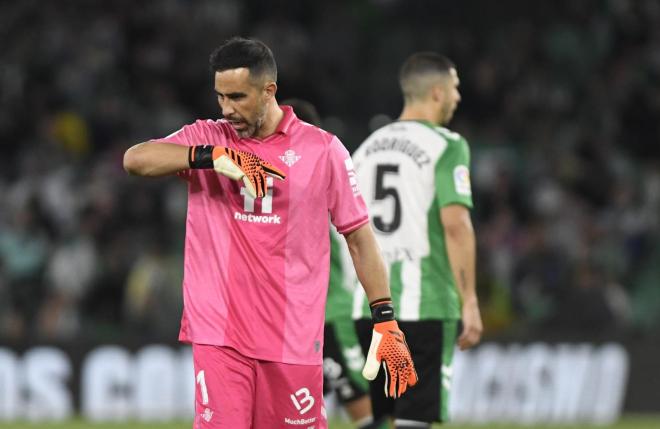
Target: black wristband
point(382, 310)
point(200, 156)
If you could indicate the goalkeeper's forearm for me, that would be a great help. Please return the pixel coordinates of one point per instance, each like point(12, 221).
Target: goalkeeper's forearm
point(368, 262)
point(156, 159)
point(160, 159)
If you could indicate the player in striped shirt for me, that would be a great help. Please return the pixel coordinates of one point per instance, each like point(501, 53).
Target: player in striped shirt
point(415, 176)
point(263, 187)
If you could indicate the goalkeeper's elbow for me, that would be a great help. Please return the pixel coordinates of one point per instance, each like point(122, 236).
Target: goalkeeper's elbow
point(134, 163)
point(137, 162)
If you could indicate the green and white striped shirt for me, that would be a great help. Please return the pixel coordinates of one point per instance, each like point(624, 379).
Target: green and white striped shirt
point(407, 171)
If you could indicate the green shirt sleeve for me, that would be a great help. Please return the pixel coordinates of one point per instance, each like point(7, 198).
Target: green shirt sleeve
point(339, 300)
point(452, 175)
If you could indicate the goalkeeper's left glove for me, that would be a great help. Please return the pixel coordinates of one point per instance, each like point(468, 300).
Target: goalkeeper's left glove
point(389, 349)
point(237, 165)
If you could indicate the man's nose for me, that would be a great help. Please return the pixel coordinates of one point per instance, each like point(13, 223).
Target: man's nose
point(227, 109)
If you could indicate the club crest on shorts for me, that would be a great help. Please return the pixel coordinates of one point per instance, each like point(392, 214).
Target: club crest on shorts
point(290, 157)
point(207, 415)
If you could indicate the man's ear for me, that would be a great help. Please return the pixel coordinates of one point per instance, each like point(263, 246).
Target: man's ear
point(270, 89)
point(438, 92)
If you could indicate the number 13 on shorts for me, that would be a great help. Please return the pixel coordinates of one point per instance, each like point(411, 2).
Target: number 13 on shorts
point(303, 400)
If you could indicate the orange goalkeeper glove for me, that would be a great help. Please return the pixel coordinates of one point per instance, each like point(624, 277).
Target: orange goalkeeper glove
point(389, 349)
point(235, 164)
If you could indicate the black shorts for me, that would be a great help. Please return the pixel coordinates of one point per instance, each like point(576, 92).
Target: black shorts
point(342, 362)
point(432, 345)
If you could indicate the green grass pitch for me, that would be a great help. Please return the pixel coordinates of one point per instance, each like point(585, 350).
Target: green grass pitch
point(628, 422)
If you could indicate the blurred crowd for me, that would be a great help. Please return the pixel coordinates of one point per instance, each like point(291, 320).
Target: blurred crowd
point(561, 106)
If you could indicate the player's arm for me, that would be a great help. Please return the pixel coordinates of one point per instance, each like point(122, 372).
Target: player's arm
point(461, 248)
point(388, 346)
point(154, 159)
point(368, 262)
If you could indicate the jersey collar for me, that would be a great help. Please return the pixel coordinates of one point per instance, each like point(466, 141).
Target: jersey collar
point(284, 127)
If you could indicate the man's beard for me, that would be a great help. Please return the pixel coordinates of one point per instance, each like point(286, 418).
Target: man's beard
point(252, 129)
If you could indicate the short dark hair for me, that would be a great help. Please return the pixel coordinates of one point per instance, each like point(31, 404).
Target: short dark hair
point(419, 65)
point(240, 52)
point(304, 110)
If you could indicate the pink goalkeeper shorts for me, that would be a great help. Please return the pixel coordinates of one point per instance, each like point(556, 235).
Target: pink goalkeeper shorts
point(237, 392)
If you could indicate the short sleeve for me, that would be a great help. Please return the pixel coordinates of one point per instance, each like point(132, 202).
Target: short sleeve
point(189, 135)
point(452, 175)
point(347, 209)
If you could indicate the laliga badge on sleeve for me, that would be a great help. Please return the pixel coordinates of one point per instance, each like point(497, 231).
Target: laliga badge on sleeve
point(462, 180)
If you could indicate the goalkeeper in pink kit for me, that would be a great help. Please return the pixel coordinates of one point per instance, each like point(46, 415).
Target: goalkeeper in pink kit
point(262, 189)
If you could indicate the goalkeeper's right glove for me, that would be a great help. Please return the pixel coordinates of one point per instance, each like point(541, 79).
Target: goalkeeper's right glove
point(389, 348)
point(235, 164)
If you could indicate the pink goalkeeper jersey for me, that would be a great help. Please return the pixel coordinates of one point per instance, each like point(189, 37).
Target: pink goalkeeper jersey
point(256, 271)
